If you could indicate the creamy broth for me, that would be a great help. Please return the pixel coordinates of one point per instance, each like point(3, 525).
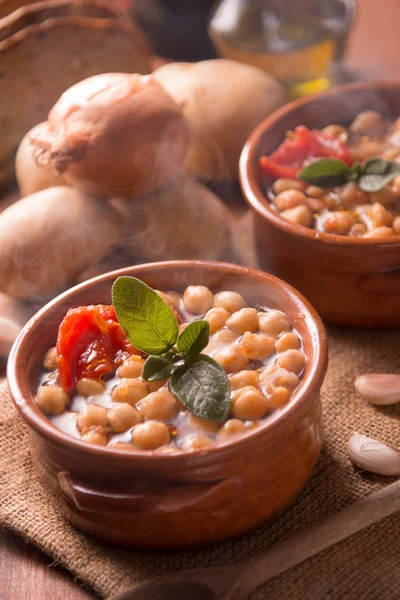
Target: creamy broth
point(264, 367)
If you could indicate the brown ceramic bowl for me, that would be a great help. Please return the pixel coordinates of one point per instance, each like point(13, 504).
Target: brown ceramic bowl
point(350, 281)
point(168, 501)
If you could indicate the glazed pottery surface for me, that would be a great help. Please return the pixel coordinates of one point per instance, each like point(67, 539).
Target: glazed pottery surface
point(350, 281)
point(147, 500)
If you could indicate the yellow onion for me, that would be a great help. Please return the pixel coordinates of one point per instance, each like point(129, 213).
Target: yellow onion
point(115, 134)
point(31, 176)
point(182, 220)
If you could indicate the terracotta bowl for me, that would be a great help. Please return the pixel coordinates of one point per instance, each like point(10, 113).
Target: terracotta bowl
point(350, 281)
point(172, 501)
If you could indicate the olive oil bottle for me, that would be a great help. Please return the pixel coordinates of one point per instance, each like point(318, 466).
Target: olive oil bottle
point(296, 41)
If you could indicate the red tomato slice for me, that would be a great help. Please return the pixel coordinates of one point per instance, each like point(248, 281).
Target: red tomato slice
point(89, 339)
point(277, 171)
point(295, 152)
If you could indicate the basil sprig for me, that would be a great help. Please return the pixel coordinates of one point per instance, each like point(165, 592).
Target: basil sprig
point(199, 382)
point(370, 176)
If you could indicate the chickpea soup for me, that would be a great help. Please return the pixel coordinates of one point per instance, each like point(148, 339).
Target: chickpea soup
point(339, 180)
point(227, 367)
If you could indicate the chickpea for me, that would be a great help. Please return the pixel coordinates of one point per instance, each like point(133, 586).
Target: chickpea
point(50, 360)
point(380, 216)
point(315, 192)
point(366, 149)
point(95, 437)
point(273, 322)
point(396, 225)
point(198, 299)
point(230, 301)
point(339, 222)
point(249, 404)
point(350, 195)
point(244, 379)
point(90, 387)
point(92, 416)
point(257, 346)
point(231, 427)
point(174, 297)
point(278, 396)
point(279, 377)
point(123, 446)
point(122, 417)
point(154, 386)
point(358, 230)
point(289, 199)
point(300, 215)
point(217, 317)
point(232, 359)
point(129, 391)
point(285, 379)
point(201, 425)
point(336, 131)
point(161, 406)
point(363, 212)
point(131, 368)
point(197, 441)
point(245, 319)
point(315, 204)
point(291, 360)
point(51, 399)
point(331, 201)
point(164, 297)
point(368, 122)
point(283, 185)
point(380, 232)
point(226, 336)
point(151, 435)
point(385, 196)
point(287, 341)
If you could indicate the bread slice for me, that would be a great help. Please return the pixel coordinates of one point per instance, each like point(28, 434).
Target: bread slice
point(38, 63)
point(34, 14)
point(8, 6)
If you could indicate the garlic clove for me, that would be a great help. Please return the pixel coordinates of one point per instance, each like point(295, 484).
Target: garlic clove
point(379, 388)
point(372, 455)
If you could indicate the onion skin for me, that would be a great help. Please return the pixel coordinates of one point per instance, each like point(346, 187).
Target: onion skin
point(49, 237)
point(222, 101)
point(31, 177)
point(115, 134)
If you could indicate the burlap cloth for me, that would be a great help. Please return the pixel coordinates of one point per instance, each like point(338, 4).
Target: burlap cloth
point(364, 566)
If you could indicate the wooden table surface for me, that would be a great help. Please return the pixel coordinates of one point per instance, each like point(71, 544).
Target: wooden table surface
point(25, 572)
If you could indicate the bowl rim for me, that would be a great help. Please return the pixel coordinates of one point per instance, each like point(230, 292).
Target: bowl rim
point(46, 429)
point(250, 180)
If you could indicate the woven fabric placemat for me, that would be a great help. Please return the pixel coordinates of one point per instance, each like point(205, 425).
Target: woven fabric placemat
point(363, 566)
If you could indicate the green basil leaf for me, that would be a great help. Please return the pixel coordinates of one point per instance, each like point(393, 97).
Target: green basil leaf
point(376, 173)
point(203, 388)
point(146, 319)
point(194, 338)
point(156, 367)
point(354, 171)
point(325, 172)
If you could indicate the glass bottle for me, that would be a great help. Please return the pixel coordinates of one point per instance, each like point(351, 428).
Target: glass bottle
point(297, 41)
